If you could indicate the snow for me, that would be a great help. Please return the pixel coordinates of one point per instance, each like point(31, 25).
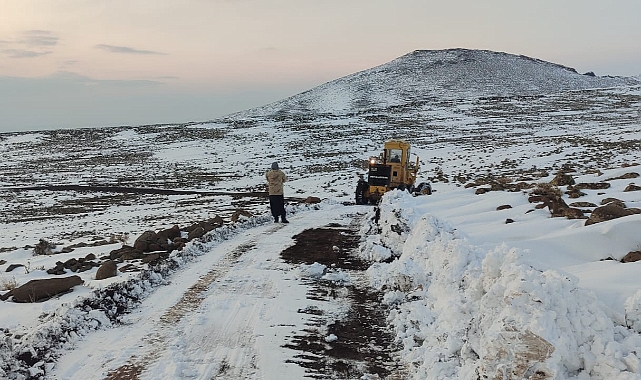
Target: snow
point(468, 294)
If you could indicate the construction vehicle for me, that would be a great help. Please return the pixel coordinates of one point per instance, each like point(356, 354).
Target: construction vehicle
point(392, 169)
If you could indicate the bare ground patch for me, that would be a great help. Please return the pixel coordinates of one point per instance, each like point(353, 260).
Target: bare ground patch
point(364, 344)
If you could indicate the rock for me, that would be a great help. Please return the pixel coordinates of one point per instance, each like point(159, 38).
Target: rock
point(43, 248)
point(150, 258)
point(516, 356)
point(631, 257)
point(582, 204)
point(503, 207)
point(613, 201)
point(481, 190)
point(593, 186)
point(573, 213)
point(129, 268)
point(312, 200)
point(71, 264)
point(574, 192)
point(562, 179)
point(629, 175)
point(151, 241)
point(632, 187)
point(106, 270)
point(90, 257)
point(41, 290)
point(607, 212)
point(117, 254)
point(169, 234)
point(238, 213)
point(13, 266)
point(196, 233)
point(508, 221)
point(143, 241)
point(2, 262)
point(59, 269)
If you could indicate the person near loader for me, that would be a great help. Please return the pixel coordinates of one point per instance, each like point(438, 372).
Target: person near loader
point(275, 178)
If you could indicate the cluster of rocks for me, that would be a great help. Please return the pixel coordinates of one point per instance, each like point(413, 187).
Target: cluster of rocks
point(549, 195)
point(149, 247)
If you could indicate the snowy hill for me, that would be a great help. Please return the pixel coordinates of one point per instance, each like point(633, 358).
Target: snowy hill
point(426, 76)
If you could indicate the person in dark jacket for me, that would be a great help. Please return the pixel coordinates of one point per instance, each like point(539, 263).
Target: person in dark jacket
point(275, 178)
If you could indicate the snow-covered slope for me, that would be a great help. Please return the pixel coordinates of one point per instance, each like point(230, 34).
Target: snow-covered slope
point(425, 75)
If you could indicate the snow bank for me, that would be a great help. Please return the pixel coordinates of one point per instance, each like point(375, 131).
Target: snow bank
point(460, 311)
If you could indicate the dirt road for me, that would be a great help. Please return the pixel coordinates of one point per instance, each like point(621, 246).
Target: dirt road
point(281, 301)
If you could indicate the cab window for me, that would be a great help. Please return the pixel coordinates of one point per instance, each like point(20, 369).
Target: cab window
point(395, 155)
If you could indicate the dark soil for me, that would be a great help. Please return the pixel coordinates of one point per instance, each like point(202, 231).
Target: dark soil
point(365, 345)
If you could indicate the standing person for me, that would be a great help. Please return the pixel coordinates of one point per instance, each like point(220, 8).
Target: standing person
point(275, 178)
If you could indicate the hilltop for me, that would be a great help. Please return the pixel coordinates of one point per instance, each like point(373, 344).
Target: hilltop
point(431, 76)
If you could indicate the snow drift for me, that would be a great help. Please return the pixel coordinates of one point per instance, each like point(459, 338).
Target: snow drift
point(462, 312)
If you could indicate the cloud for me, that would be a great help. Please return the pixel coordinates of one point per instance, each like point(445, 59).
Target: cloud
point(21, 53)
point(126, 50)
point(38, 38)
point(29, 44)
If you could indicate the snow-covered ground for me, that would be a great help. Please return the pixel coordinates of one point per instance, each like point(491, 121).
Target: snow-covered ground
point(467, 295)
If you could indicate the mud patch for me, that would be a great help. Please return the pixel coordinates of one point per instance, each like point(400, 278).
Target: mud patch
point(356, 343)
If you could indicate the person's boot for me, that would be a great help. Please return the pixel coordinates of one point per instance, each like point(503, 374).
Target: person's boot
point(275, 219)
point(283, 219)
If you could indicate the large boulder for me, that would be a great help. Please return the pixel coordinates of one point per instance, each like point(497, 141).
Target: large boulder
point(632, 187)
point(41, 290)
point(108, 269)
point(607, 212)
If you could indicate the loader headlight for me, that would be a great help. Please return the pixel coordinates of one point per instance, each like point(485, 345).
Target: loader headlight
point(372, 161)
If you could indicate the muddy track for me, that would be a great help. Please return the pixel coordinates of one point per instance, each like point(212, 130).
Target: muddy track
point(364, 344)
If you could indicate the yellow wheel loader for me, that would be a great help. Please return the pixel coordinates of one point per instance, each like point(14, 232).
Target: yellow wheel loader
point(392, 169)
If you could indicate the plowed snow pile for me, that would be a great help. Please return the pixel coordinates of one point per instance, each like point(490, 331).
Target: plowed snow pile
point(464, 311)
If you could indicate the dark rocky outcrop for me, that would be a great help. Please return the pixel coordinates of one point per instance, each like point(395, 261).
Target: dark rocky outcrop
point(632, 187)
point(41, 290)
point(503, 207)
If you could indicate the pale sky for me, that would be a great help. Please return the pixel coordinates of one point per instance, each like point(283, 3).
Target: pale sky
point(87, 63)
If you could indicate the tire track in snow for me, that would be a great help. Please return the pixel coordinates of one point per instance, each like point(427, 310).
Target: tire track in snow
point(190, 301)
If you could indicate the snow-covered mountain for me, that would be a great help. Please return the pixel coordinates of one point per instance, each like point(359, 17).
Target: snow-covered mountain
point(425, 76)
